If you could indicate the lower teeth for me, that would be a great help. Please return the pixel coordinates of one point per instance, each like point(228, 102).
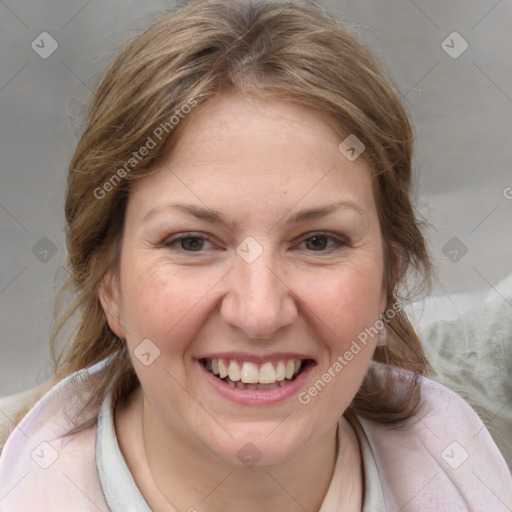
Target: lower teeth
point(241, 385)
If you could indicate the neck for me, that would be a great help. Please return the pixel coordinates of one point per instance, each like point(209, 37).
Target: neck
point(200, 481)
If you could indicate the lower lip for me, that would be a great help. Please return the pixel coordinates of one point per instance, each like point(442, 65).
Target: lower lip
point(257, 396)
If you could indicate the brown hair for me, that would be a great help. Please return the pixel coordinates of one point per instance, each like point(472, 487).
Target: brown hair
point(289, 50)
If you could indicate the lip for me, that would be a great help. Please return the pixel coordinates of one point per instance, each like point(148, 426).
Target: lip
point(257, 396)
point(255, 358)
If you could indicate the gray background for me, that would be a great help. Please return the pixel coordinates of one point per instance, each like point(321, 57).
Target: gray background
point(461, 108)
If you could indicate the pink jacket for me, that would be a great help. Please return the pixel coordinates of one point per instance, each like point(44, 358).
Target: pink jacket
point(444, 460)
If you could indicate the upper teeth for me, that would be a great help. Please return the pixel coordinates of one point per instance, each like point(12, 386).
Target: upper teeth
point(251, 373)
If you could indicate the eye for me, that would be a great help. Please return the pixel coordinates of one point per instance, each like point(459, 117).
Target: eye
point(319, 241)
point(194, 242)
point(188, 242)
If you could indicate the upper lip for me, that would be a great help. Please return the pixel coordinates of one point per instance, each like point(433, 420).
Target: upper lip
point(256, 358)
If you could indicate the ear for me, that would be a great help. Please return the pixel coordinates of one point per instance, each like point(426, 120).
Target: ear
point(110, 298)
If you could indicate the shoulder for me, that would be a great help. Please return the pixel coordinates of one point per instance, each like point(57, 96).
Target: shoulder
point(42, 465)
point(9, 409)
point(443, 457)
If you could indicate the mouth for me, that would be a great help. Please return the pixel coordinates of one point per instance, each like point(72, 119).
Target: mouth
point(248, 375)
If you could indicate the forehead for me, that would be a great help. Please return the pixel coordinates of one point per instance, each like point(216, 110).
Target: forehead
point(229, 128)
point(265, 153)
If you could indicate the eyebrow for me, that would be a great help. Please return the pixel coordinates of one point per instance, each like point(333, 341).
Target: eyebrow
point(215, 217)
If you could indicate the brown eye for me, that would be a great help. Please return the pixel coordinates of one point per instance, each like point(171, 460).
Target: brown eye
point(319, 242)
point(193, 242)
point(316, 243)
point(186, 243)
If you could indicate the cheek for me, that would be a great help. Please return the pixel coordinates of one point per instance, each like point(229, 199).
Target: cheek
point(345, 301)
point(163, 304)
point(345, 308)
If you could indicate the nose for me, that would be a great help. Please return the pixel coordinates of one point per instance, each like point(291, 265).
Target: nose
point(258, 301)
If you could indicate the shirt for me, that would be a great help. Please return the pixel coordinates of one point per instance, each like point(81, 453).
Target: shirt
point(122, 495)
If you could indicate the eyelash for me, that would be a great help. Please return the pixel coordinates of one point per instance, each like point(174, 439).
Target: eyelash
point(171, 242)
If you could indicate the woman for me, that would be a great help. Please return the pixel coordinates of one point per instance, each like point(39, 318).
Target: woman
point(239, 232)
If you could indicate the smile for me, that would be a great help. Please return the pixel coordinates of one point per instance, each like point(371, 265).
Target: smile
point(252, 376)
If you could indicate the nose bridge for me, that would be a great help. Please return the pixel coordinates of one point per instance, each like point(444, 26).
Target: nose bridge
point(259, 283)
point(258, 301)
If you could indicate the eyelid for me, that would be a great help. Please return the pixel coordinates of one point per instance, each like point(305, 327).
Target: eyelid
point(312, 234)
point(173, 240)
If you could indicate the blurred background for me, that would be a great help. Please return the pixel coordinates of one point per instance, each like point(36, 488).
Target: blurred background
point(450, 62)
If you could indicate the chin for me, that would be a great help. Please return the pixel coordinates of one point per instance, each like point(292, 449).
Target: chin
point(257, 445)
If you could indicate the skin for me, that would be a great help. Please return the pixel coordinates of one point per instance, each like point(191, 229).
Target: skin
point(258, 163)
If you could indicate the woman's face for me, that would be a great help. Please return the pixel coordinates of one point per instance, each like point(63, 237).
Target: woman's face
point(281, 260)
